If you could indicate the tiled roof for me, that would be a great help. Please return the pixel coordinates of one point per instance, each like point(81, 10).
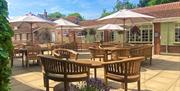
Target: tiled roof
point(162, 10)
point(73, 19)
point(158, 11)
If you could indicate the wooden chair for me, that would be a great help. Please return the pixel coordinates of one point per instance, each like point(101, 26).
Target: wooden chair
point(147, 52)
point(97, 53)
point(121, 53)
point(125, 71)
point(142, 50)
point(136, 51)
point(17, 53)
point(65, 53)
point(63, 70)
point(32, 53)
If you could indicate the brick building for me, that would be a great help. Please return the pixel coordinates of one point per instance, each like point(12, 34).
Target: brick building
point(163, 32)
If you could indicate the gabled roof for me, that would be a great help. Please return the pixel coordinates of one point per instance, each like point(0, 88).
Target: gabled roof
point(159, 11)
point(162, 10)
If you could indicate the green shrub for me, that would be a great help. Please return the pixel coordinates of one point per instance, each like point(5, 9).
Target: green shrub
point(5, 47)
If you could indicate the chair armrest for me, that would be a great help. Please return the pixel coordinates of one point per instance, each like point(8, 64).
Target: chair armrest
point(124, 60)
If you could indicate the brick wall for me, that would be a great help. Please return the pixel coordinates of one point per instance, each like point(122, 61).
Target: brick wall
point(157, 29)
point(170, 48)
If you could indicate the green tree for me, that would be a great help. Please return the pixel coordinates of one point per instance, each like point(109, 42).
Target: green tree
point(55, 15)
point(143, 3)
point(77, 15)
point(129, 5)
point(5, 47)
point(105, 13)
point(121, 5)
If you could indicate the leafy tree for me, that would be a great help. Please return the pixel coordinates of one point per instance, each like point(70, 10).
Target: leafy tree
point(77, 15)
point(129, 5)
point(105, 13)
point(143, 3)
point(55, 15)
point(5, 47)
point(121, 5)
point(93, 32)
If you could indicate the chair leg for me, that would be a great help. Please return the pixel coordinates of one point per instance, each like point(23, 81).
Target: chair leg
point(47, 84)
point(106, 81)
point(139, 85)
point(66, 85)
point(22, 61)
point(27, 63)
point(126, 86)
point(150, 60)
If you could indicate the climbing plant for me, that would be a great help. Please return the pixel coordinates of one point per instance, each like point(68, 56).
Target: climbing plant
point(5, 47)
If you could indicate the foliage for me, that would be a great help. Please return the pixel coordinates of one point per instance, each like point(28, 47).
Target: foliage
point(5, 47)
point(93, 84)
point(121, 5)
point(143, 3)
point(44, 35)
point(55, 15)
point(118, 6)
point(84, 32)
point(77, 15)
point(105, 13)
point(92, 31)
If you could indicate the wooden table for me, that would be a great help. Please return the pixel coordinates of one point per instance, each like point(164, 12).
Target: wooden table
point(94, 64)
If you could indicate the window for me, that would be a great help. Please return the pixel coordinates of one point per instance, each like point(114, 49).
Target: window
point(145, 34)
point(102, 36)
point(112, 36)
point(177, 33)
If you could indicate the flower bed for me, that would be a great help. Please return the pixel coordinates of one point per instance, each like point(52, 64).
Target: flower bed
point(90, 85)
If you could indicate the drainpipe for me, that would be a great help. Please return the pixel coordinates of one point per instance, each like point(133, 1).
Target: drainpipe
point(167, 42)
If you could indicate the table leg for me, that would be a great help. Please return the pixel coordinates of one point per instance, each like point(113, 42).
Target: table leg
point(95, 73)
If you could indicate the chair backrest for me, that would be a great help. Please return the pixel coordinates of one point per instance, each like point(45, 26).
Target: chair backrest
point(121, 52)
point(136, 51)
point(96, 51)
point(54, 65)
point(125, 67)
point(16, 50)
point(33, 51)
point(65, 53)
point(147, 50)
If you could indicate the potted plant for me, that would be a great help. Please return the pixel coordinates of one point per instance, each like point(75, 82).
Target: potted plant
point(84, 33)
point(92, 32)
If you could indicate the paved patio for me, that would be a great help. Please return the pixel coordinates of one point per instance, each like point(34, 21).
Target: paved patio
point(163, 75)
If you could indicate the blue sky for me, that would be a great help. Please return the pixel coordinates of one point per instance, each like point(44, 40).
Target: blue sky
point(89, 9)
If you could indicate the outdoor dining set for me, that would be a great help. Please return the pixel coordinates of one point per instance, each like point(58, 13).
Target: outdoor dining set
point(121, 62)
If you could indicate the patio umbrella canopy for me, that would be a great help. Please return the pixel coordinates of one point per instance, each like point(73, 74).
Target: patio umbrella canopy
point(63, 24)
point(126, 16)
point(32, 21)
point(111, 27)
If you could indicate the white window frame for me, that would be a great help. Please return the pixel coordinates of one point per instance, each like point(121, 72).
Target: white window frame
point(133, 37)
point(177, 30)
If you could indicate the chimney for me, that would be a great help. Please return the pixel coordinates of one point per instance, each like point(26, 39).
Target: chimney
point(45, 14)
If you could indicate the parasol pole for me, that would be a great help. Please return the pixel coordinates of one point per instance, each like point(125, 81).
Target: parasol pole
point(32, 37)
point(61, 35)
point(124, 20)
